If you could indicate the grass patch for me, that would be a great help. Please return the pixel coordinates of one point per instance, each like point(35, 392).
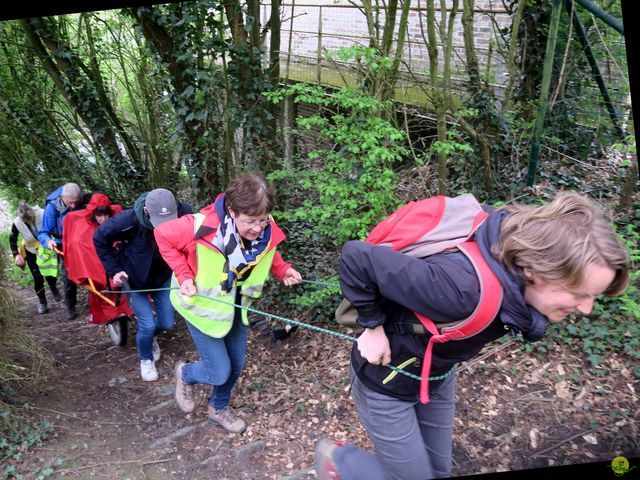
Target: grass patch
point(23, 363)
point(10, 272)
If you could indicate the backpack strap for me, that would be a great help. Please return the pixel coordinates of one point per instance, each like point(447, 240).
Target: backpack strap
point(484, 313)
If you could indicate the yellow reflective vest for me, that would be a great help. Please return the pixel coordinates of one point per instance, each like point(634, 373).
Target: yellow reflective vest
point(47, 261)
point(211, 310)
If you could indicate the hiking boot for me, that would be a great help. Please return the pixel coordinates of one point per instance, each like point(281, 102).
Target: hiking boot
point(183, 393)
point(155, 348)
point(71, 313)
point(226, 419)
point(56, 294)
point(42, 308)
point(325, 465)
point(148, 371)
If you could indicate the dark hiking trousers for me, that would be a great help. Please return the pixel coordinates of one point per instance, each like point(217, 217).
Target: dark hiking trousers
point(412, 441)
point(38, 279)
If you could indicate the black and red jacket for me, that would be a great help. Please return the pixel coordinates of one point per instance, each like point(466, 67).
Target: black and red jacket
point(387, 287)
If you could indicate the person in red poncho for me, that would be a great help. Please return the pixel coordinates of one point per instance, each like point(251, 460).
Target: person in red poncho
point(83, 265)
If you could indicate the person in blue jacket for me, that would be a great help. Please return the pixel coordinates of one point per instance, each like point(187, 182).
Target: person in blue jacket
point(61, 201)
point(551, 261)
point(137, 260)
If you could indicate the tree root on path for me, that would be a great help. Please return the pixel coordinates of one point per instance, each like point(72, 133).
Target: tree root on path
point(124, 462)
point(83, 419)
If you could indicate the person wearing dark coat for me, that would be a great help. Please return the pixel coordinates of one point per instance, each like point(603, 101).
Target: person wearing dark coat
point(137, 260)
point(551, 261)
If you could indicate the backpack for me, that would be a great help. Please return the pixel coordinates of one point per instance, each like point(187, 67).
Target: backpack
point(430, 226)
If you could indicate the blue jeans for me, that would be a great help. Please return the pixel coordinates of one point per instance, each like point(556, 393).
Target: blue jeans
point(221, 361)
point(149, 325)
point(412, 441)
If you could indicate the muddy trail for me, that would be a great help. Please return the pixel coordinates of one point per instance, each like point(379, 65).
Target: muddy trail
point(514, 411)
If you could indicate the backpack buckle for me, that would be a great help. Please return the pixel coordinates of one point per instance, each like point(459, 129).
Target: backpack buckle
point(401, 328)
point(404, 328)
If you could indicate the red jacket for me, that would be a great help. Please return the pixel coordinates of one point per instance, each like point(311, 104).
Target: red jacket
point(177, 244)
point(82, 262)
point(80, 255)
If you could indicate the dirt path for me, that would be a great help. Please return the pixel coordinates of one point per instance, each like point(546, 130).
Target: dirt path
point(112, 425)
point(514, 411)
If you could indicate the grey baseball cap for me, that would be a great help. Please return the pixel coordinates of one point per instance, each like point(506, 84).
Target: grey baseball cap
point(161, 206)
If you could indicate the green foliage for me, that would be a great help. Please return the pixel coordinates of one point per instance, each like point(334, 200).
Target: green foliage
point(247, 108)
point(627, 147)
point(215, 79)
point(577, 122)
point(22, 361)
point(316, 260)
point(19, 432)
point(451, 145)
point(351, 184)
point(319, 295)
point(368, 57)
point(11, 272)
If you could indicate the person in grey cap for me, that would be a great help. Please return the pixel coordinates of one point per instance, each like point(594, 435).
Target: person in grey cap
point(138, 261)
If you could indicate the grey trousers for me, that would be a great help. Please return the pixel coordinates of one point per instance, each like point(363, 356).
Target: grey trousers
point(412, 441)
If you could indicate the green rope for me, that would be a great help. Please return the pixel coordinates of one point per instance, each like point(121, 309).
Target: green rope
point(318, 282)
point(292, 322)
point(322, 330)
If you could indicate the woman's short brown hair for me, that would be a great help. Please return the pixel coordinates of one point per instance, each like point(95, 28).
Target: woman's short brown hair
point(25, 212)
point(557, 241)
point(250, 194)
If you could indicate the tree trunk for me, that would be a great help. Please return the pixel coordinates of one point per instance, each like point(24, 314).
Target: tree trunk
point(547, 72)
point(181, 69)
point(512, 70)
point(628, 184)
point(476, 85)
point(392, 77)
point(233, 10)
point(66, 70)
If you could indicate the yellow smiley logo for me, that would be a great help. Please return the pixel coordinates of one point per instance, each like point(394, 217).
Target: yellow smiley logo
point(620, 466)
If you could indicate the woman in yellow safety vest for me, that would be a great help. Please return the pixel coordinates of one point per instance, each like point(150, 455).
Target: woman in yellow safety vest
point(224, 252)
point(42, 264)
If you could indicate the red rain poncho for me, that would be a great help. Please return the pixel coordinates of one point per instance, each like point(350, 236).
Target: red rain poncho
point(83, 264)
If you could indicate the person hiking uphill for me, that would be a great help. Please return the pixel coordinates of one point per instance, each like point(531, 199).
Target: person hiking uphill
point(83, 265)
point(27, 224)
point(224, 252)
point(61, 201)
point(551, 261)
point(138, 261)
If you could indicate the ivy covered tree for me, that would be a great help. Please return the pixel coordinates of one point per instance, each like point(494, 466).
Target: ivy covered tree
point(82, 86)
point(36, 153)
point(211, 57)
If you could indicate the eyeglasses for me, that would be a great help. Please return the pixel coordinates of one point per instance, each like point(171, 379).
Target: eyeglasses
point(254, 223)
